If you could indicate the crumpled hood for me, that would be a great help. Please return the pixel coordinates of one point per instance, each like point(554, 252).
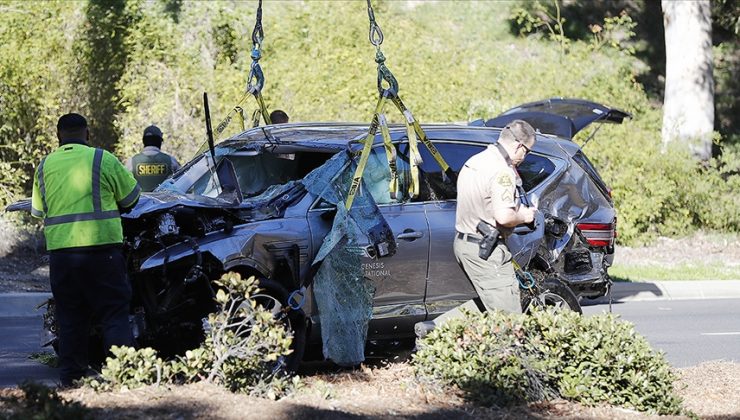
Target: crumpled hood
point(151, 202)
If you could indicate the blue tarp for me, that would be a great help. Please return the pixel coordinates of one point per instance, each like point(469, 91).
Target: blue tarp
point(343, 296)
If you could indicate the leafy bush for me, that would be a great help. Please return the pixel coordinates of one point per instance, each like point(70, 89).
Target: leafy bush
point(244, 343)
point(492, 368)
point(131, 368)
point(499, 358)
point(242, 350)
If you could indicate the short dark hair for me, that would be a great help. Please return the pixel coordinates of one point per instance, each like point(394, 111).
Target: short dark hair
point(71, 122)
point(519, 131)
point(278, 116)
point(152, 141)
point(71, 126)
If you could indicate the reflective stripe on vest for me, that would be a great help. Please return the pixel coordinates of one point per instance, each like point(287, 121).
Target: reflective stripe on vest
point(97, 213)
point(42, 187)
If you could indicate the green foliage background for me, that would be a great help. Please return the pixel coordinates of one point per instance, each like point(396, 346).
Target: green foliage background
point(129, 64)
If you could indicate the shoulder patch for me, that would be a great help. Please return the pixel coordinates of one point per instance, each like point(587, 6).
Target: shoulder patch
point(505, 180)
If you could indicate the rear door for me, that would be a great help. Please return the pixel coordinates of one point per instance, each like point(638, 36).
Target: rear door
point(447, 285)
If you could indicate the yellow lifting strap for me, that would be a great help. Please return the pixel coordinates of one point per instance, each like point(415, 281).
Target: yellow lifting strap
point(413, 128)
point(366, 148)
point(414, 133)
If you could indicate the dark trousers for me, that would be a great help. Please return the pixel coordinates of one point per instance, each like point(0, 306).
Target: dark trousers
point(90, 287)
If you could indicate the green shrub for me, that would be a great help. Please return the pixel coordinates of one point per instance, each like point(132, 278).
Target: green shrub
point(244, 343)
point(242, 350)
point(492, 368)
point(499, 358)
point(130, 368)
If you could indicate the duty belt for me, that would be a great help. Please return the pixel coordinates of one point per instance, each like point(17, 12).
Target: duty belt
point(469, 237)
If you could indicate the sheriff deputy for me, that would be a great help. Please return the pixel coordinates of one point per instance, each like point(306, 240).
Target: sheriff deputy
point(152, 165)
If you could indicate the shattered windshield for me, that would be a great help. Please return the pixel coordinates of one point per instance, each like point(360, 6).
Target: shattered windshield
point(256, 170)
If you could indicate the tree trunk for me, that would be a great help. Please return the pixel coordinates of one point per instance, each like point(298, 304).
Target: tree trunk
point(688, 105)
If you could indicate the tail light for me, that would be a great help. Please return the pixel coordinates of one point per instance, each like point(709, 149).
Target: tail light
point(598, 234)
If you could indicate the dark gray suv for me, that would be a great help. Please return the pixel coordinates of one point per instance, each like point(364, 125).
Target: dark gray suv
point(269, 223)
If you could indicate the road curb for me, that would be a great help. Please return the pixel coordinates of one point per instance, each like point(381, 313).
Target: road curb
point(24, 304)
point(21, 304)
point(673, 290)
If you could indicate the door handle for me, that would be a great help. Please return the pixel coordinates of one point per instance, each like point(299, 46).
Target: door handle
point(410, 235)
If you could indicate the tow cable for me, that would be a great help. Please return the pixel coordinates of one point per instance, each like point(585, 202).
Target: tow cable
point(413, 128)
point(255, 82)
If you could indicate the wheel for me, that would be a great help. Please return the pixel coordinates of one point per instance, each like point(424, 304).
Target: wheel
point(274, 297)
point(550, 292)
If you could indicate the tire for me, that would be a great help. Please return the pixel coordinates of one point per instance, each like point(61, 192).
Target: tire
point(274, 297)
point(554, 294)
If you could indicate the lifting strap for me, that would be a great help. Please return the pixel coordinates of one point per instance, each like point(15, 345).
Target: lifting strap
point(413, 128)
point(255, 83)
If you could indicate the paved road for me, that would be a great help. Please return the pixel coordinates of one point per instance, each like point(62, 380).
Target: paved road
point(689, 331)
point(19, 338)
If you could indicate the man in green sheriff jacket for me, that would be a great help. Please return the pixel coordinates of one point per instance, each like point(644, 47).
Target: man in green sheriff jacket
point(80, 191)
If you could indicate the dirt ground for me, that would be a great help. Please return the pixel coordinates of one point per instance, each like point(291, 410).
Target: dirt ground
point(710, 390)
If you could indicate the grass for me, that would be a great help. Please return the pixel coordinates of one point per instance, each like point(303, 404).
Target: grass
point(637, 273)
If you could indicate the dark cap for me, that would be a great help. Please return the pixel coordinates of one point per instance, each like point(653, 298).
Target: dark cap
point(152, 131)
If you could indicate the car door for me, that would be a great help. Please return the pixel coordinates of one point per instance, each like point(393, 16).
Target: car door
point(447, 285)
point(399, 280)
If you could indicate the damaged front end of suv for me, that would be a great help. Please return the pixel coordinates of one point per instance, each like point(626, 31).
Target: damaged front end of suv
point(243, 209)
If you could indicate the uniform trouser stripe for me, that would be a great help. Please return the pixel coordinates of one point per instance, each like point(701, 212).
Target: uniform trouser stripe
point(42, 187)
point(97, 159)
point(82, 217)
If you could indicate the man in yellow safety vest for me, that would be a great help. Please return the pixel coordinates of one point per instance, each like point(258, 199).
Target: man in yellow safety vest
point(80, 192)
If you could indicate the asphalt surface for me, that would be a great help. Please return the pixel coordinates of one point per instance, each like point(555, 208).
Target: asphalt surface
point(19, 339)
point(688, 331)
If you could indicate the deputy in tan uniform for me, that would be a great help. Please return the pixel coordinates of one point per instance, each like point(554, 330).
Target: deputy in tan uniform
point(487, 191)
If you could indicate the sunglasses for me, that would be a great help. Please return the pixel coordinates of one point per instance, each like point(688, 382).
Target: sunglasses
point(525, 147)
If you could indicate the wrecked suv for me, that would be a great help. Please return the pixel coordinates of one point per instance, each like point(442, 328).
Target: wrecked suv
point(265, 203)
